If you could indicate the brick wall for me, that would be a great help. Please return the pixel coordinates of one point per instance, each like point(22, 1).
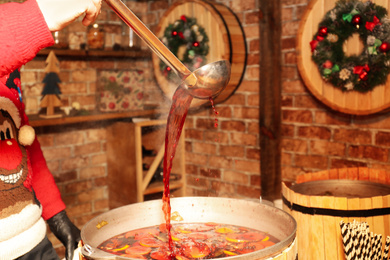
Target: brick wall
point(222, 161)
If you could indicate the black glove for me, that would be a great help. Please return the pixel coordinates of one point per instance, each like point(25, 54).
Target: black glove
point(66, 232)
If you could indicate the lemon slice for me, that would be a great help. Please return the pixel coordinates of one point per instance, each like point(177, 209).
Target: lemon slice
point(266, 238)
point(120, 249)
point(182, 230)
point(229, 252)
point(224, 230)
point(175, 238)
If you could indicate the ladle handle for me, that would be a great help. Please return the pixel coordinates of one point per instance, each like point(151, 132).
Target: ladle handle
point(149, 38)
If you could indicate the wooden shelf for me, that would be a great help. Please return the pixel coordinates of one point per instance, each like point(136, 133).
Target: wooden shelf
point(36, 121)
point(127, 181)
point(159, 187)
point(96, 54)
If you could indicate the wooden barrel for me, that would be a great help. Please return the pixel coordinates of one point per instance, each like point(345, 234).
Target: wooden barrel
point(350, 102)
point(226, 42)
point(289, 253)
point(320, 200)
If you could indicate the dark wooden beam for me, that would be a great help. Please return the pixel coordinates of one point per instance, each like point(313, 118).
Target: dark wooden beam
point(270, 98)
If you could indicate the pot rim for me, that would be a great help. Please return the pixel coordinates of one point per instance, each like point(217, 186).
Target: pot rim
point(232, 209)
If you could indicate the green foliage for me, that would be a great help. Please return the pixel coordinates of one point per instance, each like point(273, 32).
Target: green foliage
point(340, 25)
point(186, 32)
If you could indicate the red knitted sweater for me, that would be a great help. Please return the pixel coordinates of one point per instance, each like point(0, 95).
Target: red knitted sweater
point(23, 32)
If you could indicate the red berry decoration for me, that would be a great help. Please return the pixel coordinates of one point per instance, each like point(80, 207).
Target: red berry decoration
point(363, 76)
point(323, 31)
point(313, 45)
point(188, 37)
point(385, 47)
point(356, 19)
point(327, 64)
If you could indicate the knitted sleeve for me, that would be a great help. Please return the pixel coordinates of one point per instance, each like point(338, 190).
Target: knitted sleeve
point(43, 183)
point(23, 32)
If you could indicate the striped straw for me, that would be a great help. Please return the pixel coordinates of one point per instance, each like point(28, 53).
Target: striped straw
point(354, 243)
point(368, 246)
point(347, 240)
point(377, 247)
point(358, 244)
point(386, 250)
point(365, 246)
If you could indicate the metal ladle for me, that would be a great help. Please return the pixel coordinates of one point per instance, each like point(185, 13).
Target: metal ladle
point(205, 82)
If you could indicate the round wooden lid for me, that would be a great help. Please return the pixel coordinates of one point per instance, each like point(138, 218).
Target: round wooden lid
point(349, 102)
point(226, 42)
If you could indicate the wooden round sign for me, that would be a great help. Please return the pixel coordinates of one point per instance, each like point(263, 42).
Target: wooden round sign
point(349, 102)
point(226, 42)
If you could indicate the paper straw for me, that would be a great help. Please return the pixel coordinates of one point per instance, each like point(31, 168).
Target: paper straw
point(365, 246)
point(368, 247)
point(359, 245)
point(386, 250)
point(355, 243)
point(372, 245)
point(347, 240)
point(377, 247)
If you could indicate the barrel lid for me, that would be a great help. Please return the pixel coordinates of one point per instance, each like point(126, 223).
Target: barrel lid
point(342, 188)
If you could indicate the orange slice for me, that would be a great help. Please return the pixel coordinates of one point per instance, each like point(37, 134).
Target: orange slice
point(150, 242)
point(196, 252)
point(139, 234)
point(198, 236)
point(180, 257)
point(268, 243)
point(224, 230)
point(159, 255)
point(133, 256)
point(244, 237)
point(138, 250)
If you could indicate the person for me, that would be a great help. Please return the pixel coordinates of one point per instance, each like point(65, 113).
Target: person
point(26, 185)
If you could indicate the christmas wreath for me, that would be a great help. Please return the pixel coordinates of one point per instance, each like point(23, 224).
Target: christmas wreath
point(365, 71)
point(188, 41)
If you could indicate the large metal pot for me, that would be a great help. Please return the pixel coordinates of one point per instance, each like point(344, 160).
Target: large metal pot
point(245, 213)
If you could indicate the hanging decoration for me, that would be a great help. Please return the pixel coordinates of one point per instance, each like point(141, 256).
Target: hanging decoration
point(356, 72)
point(188, 41)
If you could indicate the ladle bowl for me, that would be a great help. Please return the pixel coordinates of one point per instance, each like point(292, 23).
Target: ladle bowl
point(206, 82)
point(209, 80)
